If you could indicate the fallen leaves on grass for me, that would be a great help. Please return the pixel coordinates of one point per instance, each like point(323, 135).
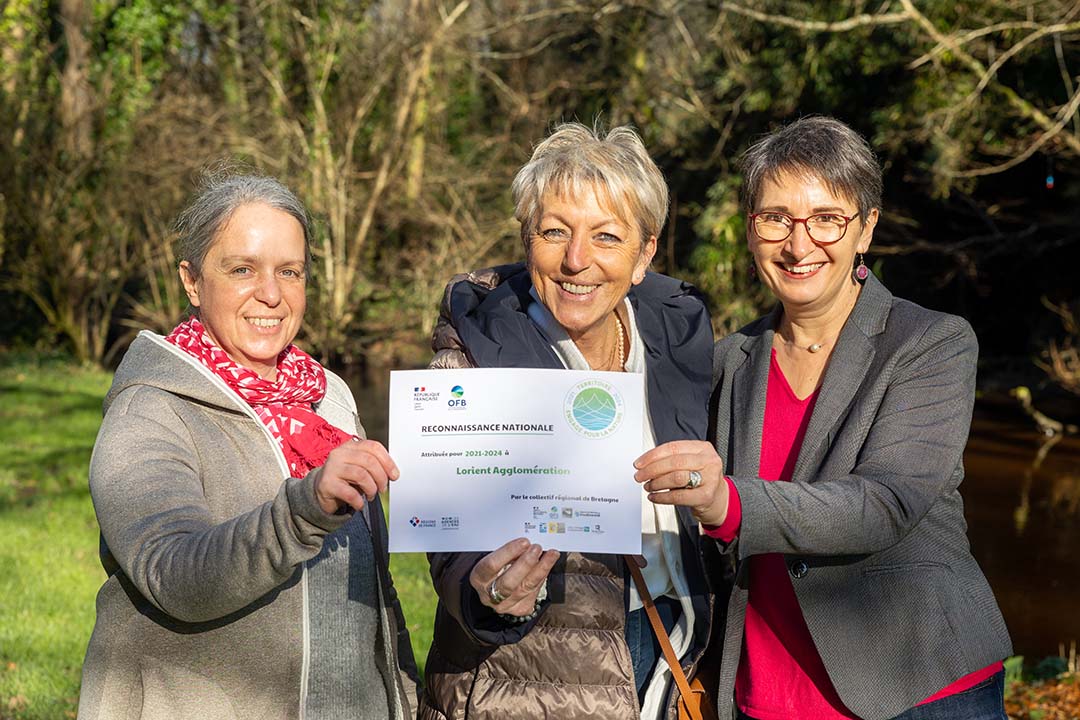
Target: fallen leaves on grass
point(1056, 699)
point(17, 702)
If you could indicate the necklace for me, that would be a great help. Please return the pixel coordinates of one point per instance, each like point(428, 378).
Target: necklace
point(811, 348)
point(619, 348)
point(616, 360)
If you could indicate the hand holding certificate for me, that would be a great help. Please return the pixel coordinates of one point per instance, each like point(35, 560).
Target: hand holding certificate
point(488, 455)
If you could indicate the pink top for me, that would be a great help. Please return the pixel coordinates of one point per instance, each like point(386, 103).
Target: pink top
point(781, 675)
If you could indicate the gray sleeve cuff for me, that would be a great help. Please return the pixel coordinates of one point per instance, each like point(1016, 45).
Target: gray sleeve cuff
point(312, 521)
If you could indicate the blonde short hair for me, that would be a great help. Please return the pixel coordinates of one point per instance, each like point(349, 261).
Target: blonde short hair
point(575, 159)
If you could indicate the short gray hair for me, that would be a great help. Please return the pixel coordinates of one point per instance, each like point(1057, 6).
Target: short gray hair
point(816, 146)
point(575, 158)
point(218, 197)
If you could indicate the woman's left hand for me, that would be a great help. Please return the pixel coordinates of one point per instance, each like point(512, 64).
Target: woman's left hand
point(666, 473)
point(519, 569)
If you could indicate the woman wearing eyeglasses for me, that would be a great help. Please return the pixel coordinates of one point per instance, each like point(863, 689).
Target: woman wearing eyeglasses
point(839, 424)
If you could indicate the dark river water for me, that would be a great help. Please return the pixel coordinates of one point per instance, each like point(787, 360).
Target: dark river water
point(1024, 524)
point(1023, 518)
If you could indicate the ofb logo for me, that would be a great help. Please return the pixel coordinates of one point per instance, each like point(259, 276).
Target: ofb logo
point(457, 391)
point(593, 408)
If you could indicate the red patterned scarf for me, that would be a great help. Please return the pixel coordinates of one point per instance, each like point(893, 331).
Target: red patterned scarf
point(284, 405)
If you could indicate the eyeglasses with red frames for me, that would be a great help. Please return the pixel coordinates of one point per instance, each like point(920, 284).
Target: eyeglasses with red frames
point(823, 228)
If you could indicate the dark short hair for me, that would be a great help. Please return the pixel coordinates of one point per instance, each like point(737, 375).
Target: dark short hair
point(218, 197)
point(820, 147)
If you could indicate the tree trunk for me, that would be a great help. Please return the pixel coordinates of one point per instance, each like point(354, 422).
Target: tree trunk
point(76, 96)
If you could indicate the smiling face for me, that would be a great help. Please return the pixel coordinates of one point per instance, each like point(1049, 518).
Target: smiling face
point(250, 293)
point(583, 260)
point(804, 276)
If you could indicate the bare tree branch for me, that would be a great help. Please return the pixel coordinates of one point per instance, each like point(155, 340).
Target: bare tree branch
point(1036, 35)
point(1020, 104)
point(1066, 79)
point(1065, 115)
point(818, 26)
point(968, 37)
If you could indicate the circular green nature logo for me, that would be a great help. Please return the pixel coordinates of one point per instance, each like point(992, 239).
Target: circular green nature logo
point(457, 391)
point(593, 408)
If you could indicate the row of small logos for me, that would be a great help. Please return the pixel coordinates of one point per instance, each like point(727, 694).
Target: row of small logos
point(554, 512)
point(447, 522)
point(422, 395)
point(453, 522)
point(560, 528)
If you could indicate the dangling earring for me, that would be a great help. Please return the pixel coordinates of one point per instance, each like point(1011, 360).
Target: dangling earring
point(861, 272)
point(751, 272)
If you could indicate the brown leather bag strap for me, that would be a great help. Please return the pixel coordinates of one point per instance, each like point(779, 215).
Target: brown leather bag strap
point(662, 636)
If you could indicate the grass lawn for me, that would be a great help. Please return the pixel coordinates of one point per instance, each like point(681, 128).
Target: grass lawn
point(49, 569)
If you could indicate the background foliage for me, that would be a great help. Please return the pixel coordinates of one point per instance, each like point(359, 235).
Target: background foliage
point(402, 122)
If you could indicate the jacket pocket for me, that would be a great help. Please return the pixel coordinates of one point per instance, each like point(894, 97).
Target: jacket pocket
point(905, 567)
point(913, 616)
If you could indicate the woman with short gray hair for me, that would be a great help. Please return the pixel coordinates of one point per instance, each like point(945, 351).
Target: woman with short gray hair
point(238, 501)
point(832, 477)
point(524, 631)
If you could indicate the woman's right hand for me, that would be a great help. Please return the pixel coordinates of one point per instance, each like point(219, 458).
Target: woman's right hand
point(353, 471)
point(526, 569)
point(665, 471)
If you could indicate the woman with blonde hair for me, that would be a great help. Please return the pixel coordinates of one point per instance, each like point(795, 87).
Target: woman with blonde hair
point(524, 632)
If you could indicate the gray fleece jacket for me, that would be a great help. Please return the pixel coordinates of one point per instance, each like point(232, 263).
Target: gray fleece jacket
point(230, 593)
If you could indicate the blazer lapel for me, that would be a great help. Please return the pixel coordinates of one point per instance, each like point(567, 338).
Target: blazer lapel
point(748, 401)
point(845, 374)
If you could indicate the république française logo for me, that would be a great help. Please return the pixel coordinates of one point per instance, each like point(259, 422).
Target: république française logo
point(423, 396)
point(593, 408)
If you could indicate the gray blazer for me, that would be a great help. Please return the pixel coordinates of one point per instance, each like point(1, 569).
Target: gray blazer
point(872, 524)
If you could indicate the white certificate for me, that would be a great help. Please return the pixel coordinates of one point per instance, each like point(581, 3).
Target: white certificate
point(488, 455)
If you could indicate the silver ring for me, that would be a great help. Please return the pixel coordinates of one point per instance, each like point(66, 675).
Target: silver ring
point(695, 480)
point(493, 593)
